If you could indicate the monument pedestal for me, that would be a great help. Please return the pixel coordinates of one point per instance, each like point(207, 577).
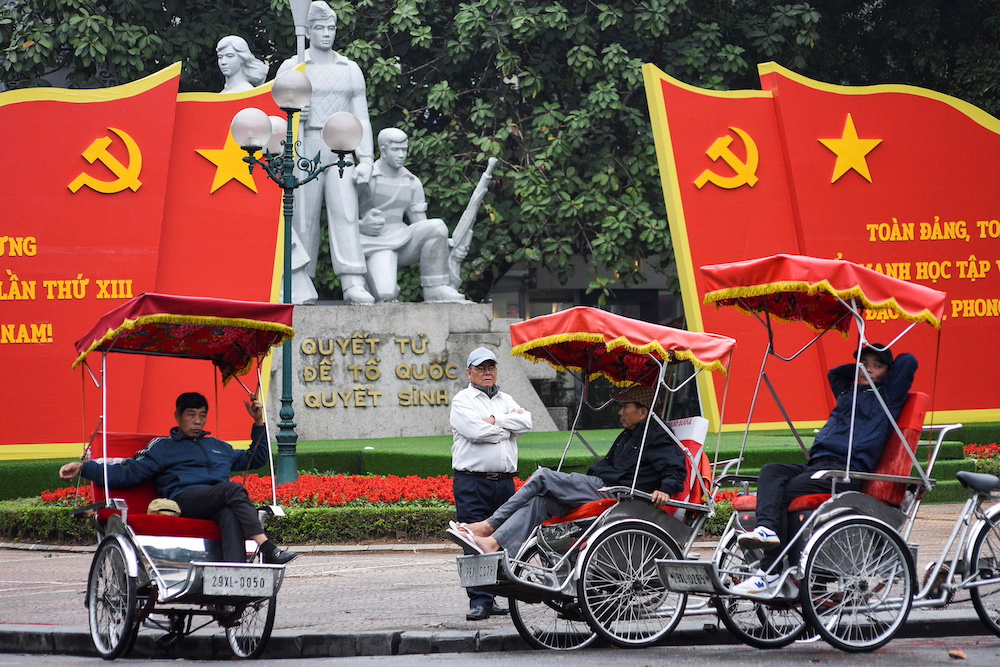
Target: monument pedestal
point(391, 370)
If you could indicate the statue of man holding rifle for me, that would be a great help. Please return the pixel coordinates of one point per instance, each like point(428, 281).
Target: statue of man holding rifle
point(393, 193)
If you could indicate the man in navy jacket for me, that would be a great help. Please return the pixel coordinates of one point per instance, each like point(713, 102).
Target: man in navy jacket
point(833, 448)
point(192, 468)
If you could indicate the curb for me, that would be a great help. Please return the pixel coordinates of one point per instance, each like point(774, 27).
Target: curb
point(75, 640)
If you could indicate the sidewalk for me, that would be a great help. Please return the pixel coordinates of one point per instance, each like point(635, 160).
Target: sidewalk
point(352, 600)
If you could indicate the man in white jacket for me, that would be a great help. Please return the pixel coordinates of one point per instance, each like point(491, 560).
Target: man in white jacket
point(485, 423)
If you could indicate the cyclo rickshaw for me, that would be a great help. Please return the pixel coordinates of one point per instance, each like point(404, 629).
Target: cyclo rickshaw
point(848, 573)
point(591, 573)
point(148, 565)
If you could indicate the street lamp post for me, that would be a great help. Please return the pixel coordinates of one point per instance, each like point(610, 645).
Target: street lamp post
point(254, 131)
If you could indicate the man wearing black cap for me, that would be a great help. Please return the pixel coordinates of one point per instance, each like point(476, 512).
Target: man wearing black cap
point(780, 483)
point(485, 423)
point(549, 493)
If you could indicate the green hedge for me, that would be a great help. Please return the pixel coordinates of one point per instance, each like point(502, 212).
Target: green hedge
point(29, 522)
point(328, 525)
point(978, 434)
point(28, 478)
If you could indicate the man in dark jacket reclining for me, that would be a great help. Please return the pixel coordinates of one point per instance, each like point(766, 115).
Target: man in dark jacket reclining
point(549, 493)
point(192, 468)
point(780, 483)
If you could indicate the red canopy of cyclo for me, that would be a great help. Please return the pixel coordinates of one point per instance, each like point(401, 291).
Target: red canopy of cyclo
point(596, 342)
point(232, 334)
point(799, 288)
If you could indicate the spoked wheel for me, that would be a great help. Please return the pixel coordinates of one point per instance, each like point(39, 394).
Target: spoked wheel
point(552, 624)
point(752, 622)
point(985, 563)
point(620, 590)
point(111, 601)
point(249, 631)
point(858, 584)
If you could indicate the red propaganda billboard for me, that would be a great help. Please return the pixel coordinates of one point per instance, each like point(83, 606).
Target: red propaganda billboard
point(121, 191)
point(898, 179)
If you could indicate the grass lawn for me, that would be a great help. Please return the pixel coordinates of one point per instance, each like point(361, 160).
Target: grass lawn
point(432, 455)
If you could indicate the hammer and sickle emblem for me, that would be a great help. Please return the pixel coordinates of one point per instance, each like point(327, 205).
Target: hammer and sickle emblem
point(745, 172)
point(128, 177)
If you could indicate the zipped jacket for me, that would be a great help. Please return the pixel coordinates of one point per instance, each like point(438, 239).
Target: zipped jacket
point(871, 426)
point(177, 463)
point(663, 467)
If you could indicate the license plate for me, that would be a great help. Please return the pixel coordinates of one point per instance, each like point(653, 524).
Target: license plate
point(477, 570)
point(687, 577)
point(238, 581)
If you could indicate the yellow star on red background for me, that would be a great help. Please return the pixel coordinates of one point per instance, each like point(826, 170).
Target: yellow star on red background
point(850, 152)
point(229, 164)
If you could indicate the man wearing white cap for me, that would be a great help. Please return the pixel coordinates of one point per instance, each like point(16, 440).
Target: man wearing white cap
point(485, 423)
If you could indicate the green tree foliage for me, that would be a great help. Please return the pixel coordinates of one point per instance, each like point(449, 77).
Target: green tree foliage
point(950, 47)
point(107, 43)
point(552, 89)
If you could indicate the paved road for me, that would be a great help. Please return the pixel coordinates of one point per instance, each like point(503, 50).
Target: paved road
point(351, 601)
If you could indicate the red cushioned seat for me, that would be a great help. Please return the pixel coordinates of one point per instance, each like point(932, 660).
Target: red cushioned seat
point(808, 503)
point(173, 526)
point(587, 511)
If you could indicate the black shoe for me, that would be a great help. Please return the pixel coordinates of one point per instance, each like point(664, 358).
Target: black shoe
point(279, 557)
point(497, 610)
point(478, 613)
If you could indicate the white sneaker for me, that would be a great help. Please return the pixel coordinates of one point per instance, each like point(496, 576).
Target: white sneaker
point(758, 583)
point(758, 537)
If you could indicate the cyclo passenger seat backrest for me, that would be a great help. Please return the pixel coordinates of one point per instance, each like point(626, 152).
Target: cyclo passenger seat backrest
point(691, 431)
point(137, 498)
point(895, 458)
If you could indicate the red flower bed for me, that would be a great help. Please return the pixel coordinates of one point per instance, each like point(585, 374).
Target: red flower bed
point(339, 490)
point(68, 496)
point(316, 491)
point(727, 496)
point(982, 452)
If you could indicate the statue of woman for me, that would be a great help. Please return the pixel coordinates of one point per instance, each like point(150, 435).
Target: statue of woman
point(242, 70)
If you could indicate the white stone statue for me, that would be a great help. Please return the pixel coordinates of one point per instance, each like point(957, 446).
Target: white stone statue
point(338, 85)
point(391, 194)
point(242, 70)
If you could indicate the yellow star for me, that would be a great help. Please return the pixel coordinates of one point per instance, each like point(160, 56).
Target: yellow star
point(850, 152)
point(229, 164)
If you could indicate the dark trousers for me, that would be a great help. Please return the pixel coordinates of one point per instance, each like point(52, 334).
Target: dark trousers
point(781, 483)
point(228, 505)
point(476, 498)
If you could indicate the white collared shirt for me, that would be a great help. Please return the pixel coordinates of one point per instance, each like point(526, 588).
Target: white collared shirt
point(480, 446)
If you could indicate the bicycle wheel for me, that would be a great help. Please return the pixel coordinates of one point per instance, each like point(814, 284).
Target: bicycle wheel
point(552, 624)
point(858, 584)
point(985, 562)
point(249, 631)
point(620, 590)
point(754, 623)
point(111, 601)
